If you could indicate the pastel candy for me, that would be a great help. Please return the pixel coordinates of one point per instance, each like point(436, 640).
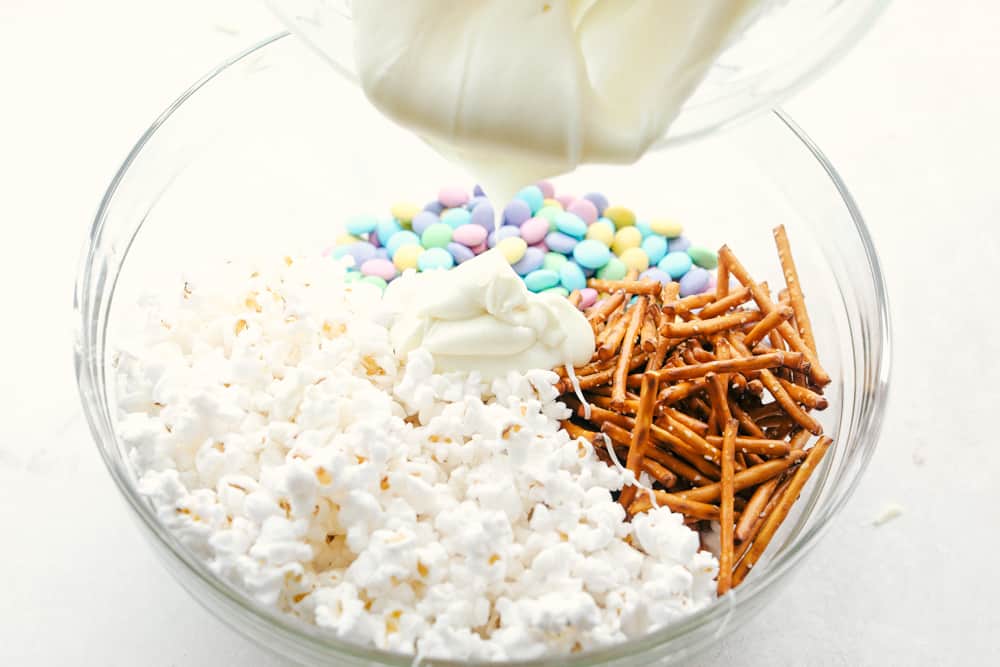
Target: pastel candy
point(469, 235)
point(625, 238)
point(678, 244)
point(643, 227)
point(437, 235)
point(477, 190)
point(534, 230)
point(621, 216)
point(572, 277)
point(533, 196)
point(676, 264)
point(558, 290)
point(584, 209)
point(554, 261)
point(591, 254)
point(474, 202)
point(404, 211)
point(613, 270)
point(635, 259)
point(434, 207)
point(361, 252)
point(484, 216)
point(352, 276)
point(361, 224)
point(373, 280)
point(407, 257)
point(703, 257)
point(694, 281)
point(565, 200)
point(532, 260)
point(513, 248)
point(599, 201)
point(423, 220)
point(560, 242)
point(456, 217)
point(453, 195)
point(460, 252)
point(603, 231)
point(386, 228)
point(505, 232)
point(400, 239)
point(658, 275)
point(516, 212)
point(542, 279)
point(541, 246)
point(435, 259)
point(655, 248)
point(548, 190)
point(588, 297)
point(667, 228)
point(549, 213)
point(571, 224)
point(381, 253)
point(382, 268)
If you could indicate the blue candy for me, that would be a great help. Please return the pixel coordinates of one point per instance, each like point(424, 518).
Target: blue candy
point(598, 200)
point(591, 254)
point(435, 258)
point(361, 224)
point(423, 220)
point(655, 274)
point(434, 207)
point(679, 244)
point(385, 229)
point(456, 217)
point(483, 215)
point(571, 225)
point(694, 281)
point(361, 252)
point(655, 247)
point(675, 263)
point(541, 279)
point(381, 253)
point(399, 239)
point(643, 228)
point(477, 191)
point(500, 234)
point(532, 261)
point(571, 276)
point(559, 242)
point(516, 212)
point(533, 196)
point(460, 252)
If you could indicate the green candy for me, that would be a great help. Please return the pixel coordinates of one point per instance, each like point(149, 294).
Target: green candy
point(550, 213)
point(703, 257)
point(373, 280)
point(437, 235)
point(352, 276)
point(615, 269)
point(561, 291)
point(553, 261)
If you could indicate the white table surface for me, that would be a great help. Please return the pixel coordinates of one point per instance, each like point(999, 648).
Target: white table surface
point(910, 119)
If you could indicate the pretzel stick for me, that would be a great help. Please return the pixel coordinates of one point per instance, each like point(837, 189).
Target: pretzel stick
point(796, 413)
point(755, 387)
point(601, 311)
point(818, 374)
point(784, 505)
point(611, 343)
point(629, 407)
point(689, 508)
point(728, 492)
point(746, 421)
point(795, 297)
point(643, 421)
point(576, 431)
point(702, 356)
point(631, 276)
point(743, 479)
point(574, 297)
point(638, 314)
point(692, 439)
point(766, 325)
point(616, 318)
point(721, 281)
point(648, 335)
point(648, 287)
point(739, 365)
point(755, 506)
point(755, 445)
point(662, 345)
point(710, 326)
point(726, 303)
point(696, 425)
point(719, 401)
point(667, 440)
point(805, 396)
point(682, 390)
point(689, 303)
point(600, 416)
point(658, 472)
point(677, 466)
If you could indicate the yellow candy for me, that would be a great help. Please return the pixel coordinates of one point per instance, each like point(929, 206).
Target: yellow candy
point(406, 257)
point(635, 259)
point(551, 202)
point(601, 231)
point(667, 228)
point(513, 248)
point(346, 239)
point(404, 212)
point(621, 216)
point(625, 238)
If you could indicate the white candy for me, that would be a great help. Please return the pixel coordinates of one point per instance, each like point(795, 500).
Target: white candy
point(281, 440)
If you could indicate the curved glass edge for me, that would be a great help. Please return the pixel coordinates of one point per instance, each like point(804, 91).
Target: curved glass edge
point(89, 304)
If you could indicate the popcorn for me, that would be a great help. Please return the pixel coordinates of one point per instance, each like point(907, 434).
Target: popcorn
point(280, 438)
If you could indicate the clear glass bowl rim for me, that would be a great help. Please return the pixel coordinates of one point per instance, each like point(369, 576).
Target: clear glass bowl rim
point(91, 388)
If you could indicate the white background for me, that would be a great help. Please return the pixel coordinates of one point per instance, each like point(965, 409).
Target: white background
point(910, 119)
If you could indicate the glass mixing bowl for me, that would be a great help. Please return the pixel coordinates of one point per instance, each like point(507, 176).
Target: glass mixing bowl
point(272, 151)
point(789, 43)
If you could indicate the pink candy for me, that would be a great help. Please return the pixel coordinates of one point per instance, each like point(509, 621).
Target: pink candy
point(479, 249)
point(382, 268)
point(469, 235)
point(453, 196)
point(583, 209)
point(565, 200)
point(534, 230)
point(548, 190)
point(541, 245)
point(588, 297)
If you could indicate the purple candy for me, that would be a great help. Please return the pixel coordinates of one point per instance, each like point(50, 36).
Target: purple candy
point(694, 281)
point(516, 212)
point(434, 207)
point(678, 244)
point(655, 274)
point(534, 230)
point(532, 261)
point(361, 251)
point(460, 252)
point(423, 220)
point(477, 191)
point(475, 201)
point(584, 209)
point(483, 216)
point(712, 283)
point(598, 200)
point(502, 233)
point(548, 190)
point(562, 243)
point(381, 253)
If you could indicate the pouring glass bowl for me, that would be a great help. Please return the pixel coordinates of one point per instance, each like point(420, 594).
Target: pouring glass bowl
point(272, 151)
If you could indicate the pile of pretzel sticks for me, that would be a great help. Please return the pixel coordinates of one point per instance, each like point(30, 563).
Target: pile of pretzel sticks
point(710, 396)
